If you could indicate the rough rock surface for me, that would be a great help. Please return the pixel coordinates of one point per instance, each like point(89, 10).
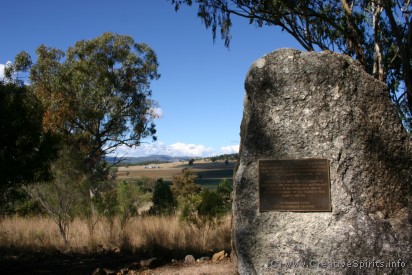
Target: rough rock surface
point(323, 105)
point(219, 256)
point(189, 259)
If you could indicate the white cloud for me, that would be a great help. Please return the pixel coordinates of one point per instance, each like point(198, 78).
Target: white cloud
point(156, 112)
point(232, 149)
point(2, 67)
point(174, 150)
point(144, 149)
point(183, 149)
point(160, 148)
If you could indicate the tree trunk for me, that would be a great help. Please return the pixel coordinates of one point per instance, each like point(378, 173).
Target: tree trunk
point(407, 63)
point(378, 70)
point(63, 230)
point(354, 37)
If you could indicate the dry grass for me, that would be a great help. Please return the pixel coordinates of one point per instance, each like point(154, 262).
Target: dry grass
point(150, 236)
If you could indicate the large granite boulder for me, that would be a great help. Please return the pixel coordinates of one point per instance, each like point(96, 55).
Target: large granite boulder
point(323, 105)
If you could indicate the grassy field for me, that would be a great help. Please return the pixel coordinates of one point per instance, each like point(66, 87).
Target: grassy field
point(209, 174)
point(145, 235)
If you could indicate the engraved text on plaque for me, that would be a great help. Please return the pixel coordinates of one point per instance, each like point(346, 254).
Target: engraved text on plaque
point(294, 185)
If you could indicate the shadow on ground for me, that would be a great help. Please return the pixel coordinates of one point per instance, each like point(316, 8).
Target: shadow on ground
point(24, 261)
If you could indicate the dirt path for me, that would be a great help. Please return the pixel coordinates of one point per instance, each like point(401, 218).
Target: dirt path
point(225, 267)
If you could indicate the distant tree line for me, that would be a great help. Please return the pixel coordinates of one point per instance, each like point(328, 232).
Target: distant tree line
point(128, 164)
point(225, 157)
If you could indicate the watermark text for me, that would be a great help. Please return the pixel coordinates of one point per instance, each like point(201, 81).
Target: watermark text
point(356, 264)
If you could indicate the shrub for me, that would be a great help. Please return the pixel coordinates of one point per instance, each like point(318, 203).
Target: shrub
point(210, 210)
point(224, 191)
point(163, 200)
point(204, 210)
point(129, 199)
point(60, 196)
point(184, 185)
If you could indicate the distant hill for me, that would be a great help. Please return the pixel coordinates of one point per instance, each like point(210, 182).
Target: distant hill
point(147, 159)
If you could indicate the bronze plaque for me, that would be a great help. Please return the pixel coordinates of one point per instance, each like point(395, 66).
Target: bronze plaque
point(294, 185)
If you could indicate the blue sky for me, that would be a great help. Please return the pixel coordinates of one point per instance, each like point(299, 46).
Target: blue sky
point(201, 89)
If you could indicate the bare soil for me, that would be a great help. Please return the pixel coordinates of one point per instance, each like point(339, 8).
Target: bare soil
point(225, 267)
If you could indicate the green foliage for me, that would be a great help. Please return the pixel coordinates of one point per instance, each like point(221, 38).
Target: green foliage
point(18, 202)
point(213, 205)
point(106, 203)
point(25, 150)
point(96, 95)
point(145, 184)
point(188, 208)
point(204, 210)
point(186, 192)
point(60, 197)
point(210, 209)
point(224, 157)
point(184, 185)
point(163, 201)
point(129, 199)
point(22, 63)
point(28, 208)
point(224, 191)
point(201, 207)
point(376, 33)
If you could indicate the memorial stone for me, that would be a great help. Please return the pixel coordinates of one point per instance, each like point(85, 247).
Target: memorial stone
point(323, 183)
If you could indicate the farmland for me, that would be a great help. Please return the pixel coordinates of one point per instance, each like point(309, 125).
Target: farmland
point(209, 174)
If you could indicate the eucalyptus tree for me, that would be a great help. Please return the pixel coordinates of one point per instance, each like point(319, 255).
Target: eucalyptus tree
point(377, 33)
point(25, 150)
point(96, 95)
